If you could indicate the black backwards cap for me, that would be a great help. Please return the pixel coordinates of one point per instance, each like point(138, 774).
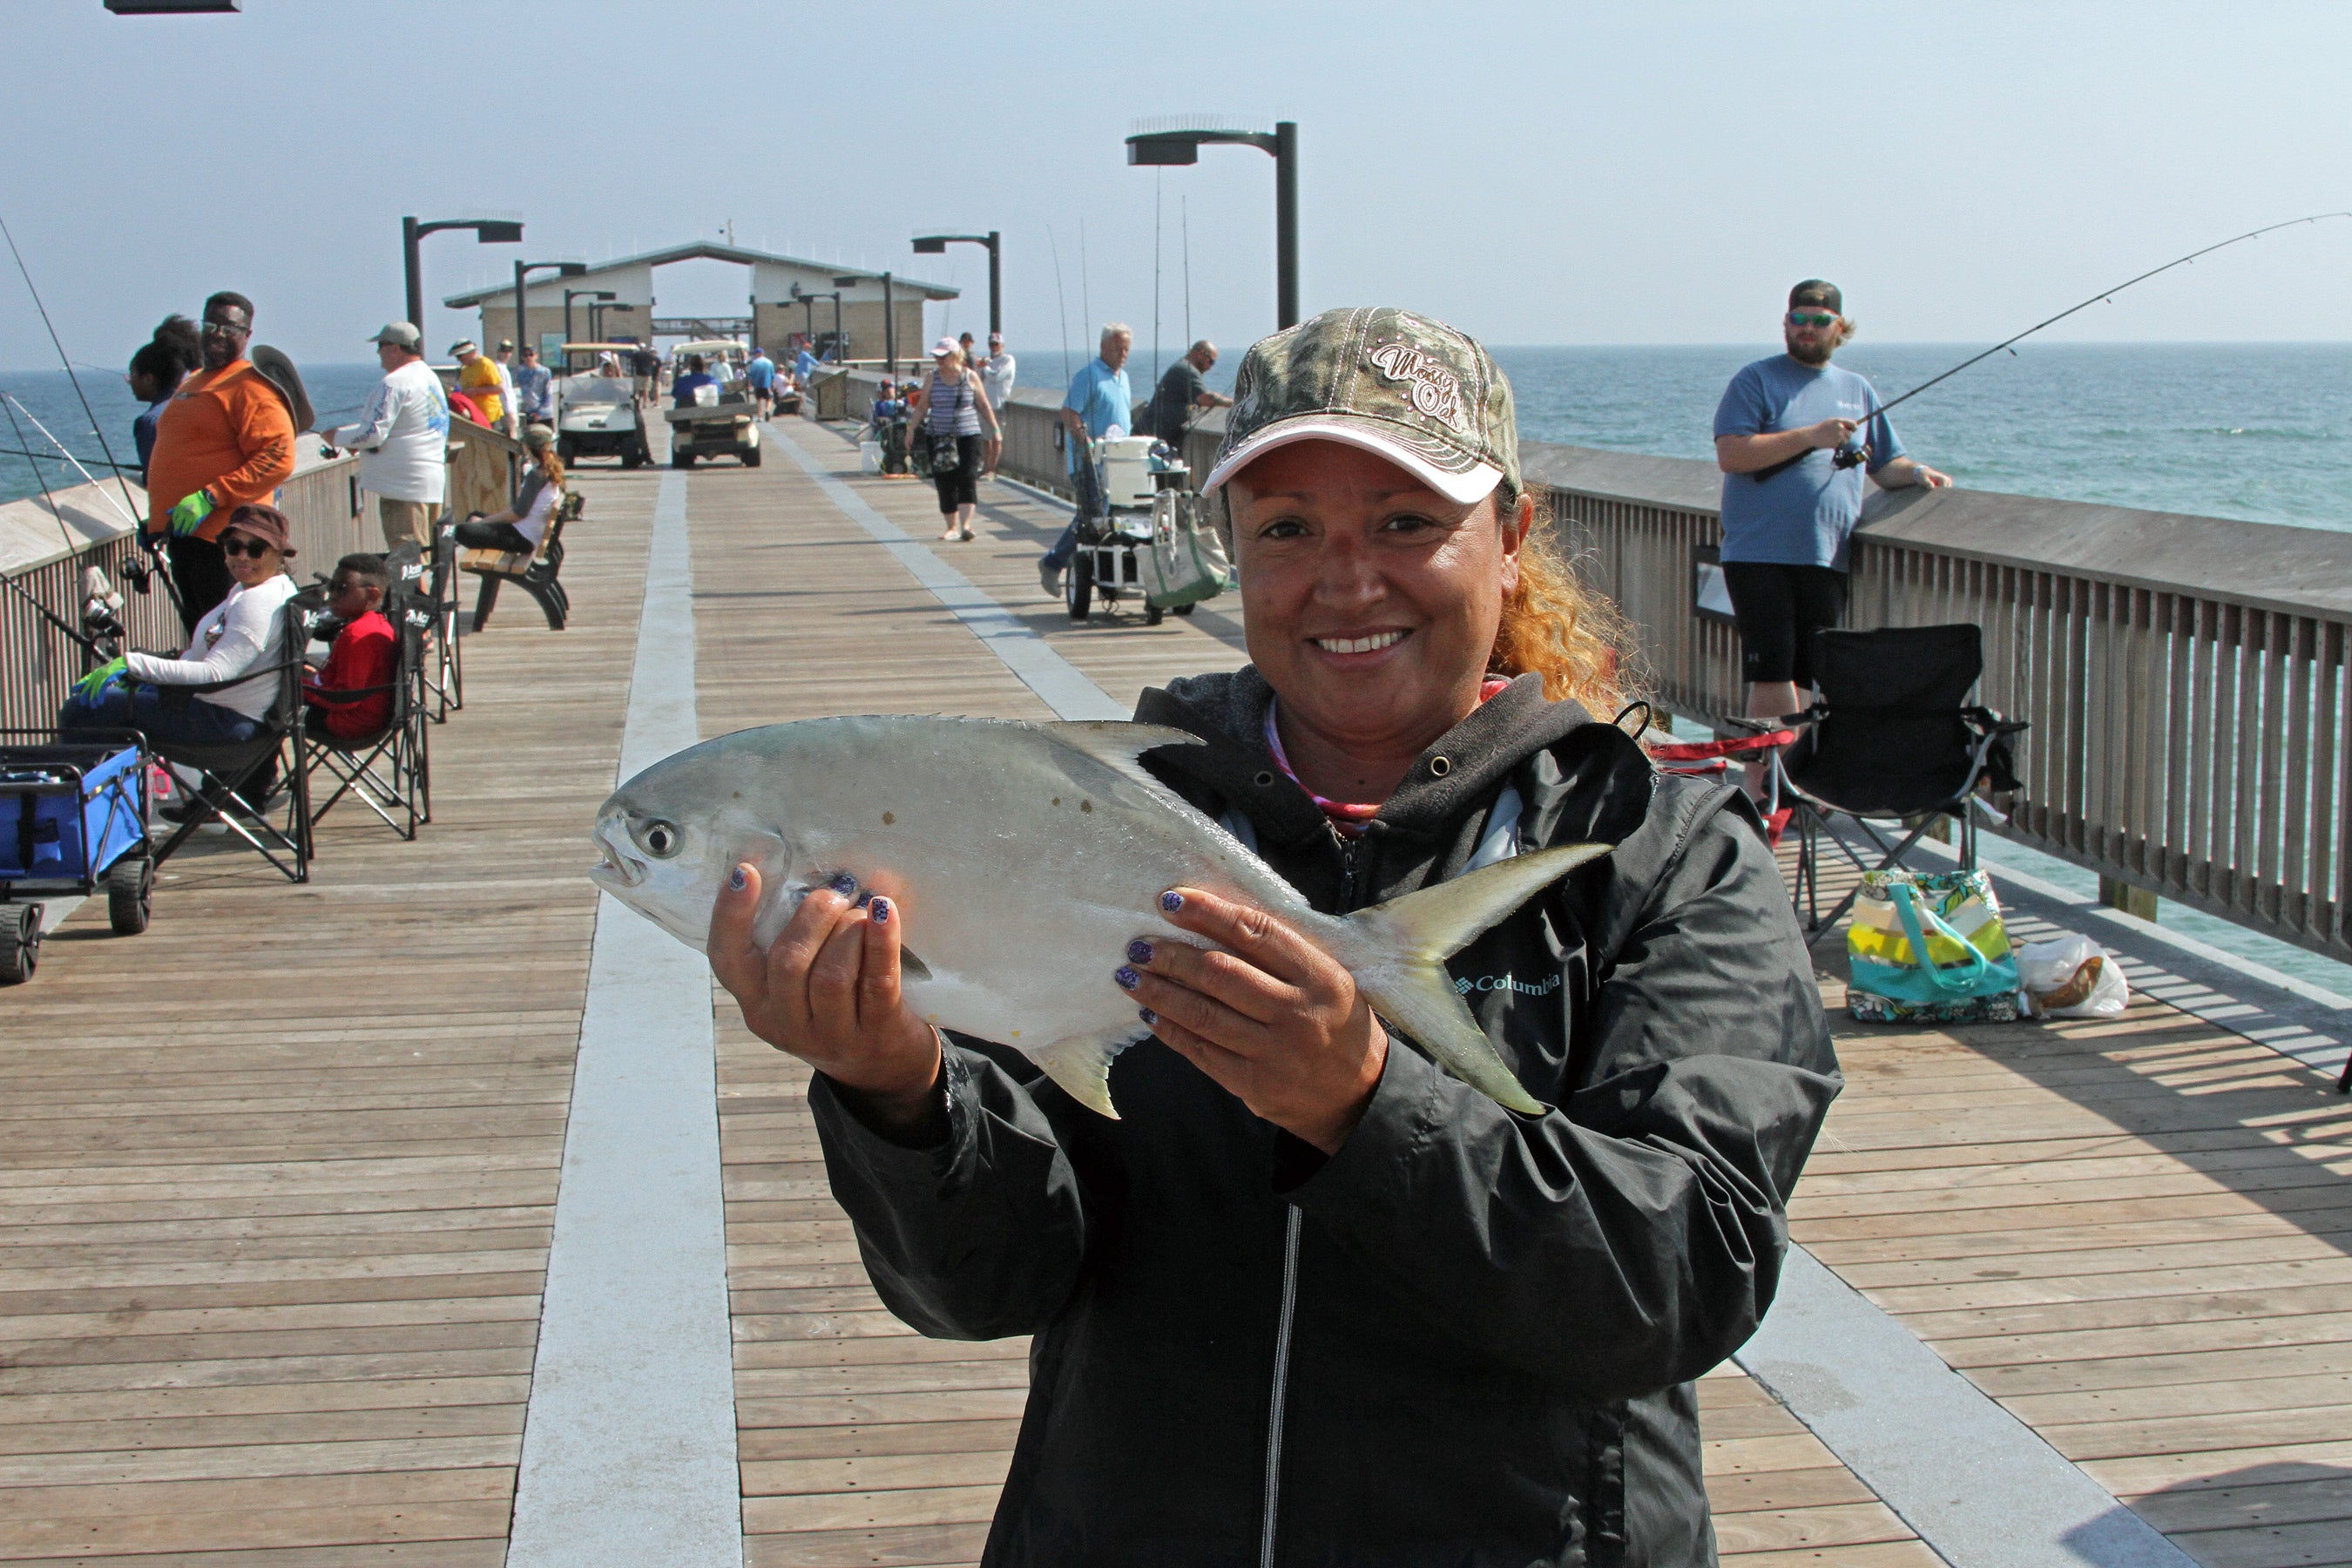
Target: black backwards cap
point(1818, 292)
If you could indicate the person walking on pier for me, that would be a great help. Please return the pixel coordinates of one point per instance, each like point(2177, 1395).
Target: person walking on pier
point(996, 373)
point(1100, 400)
point(1182, 393)
point(760, 372)
point(1788, 505)
point(953, 409)
point(534, 389)
point(478, 379)
point(403, 439)
point(225, 438)
point(1313, 1299)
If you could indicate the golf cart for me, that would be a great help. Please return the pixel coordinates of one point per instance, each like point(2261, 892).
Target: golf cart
point(596, 414)
point(722, 419)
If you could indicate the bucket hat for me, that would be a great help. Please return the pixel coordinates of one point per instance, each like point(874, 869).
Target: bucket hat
point(1406, 388)
point(265, 524)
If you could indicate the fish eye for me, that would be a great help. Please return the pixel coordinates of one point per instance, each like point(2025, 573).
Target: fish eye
point(657, 838)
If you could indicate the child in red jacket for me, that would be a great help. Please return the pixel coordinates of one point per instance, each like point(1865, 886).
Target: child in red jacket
point(363, 655)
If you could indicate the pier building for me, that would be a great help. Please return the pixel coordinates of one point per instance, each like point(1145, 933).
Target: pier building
point(322, 1206)
point(782, 301)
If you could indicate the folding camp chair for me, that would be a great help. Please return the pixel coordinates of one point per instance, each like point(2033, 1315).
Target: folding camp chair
point(433, 583)
point(235, 797)
point(384, 769)
point(1893, 745)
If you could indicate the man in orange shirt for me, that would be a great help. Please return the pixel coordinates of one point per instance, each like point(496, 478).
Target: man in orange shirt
point(225, 438)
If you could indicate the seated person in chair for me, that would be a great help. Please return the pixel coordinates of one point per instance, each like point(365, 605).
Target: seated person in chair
point(245, 631)
point(520, 527)
point(365, 654)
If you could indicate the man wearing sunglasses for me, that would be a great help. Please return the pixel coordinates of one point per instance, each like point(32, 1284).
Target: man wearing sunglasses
point(1793, 436)
point(225, 439)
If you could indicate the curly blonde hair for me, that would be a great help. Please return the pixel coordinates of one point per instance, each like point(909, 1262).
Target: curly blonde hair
point(1554, 626)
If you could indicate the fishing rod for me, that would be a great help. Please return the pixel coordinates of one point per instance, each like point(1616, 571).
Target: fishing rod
point(87, 639)
point(66, 458)
point(1851, 456)
point(67, 454)
point(56, 342)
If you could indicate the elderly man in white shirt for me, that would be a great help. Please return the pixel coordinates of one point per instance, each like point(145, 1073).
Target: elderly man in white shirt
point(403, 439)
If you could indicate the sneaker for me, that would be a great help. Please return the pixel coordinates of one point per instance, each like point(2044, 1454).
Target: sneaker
point(1049, 577)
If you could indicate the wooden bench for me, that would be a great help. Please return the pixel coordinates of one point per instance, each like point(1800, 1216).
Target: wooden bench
point(534, 574)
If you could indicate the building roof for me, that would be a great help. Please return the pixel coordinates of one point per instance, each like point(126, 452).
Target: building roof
point(709, 250)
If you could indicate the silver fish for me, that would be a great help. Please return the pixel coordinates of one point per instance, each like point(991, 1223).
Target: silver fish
point(1024, 857)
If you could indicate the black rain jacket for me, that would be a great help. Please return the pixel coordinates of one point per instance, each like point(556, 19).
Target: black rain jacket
point(1469, 1336)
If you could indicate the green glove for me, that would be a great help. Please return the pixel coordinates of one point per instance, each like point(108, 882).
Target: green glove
point(190, 512)
point(92, 688)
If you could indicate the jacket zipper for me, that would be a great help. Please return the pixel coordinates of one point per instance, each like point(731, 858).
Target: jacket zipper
point(1281, 1385)
point(1348, 859)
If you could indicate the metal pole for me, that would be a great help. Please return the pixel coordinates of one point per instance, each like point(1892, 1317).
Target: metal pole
point(408, 258)
point(995, 283)
point(840, 344)
point(519, 336)
point(1286, 223)
point(567, 317)
point(889, 325)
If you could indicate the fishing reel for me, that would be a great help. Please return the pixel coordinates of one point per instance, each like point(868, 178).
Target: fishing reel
point(1853, 455)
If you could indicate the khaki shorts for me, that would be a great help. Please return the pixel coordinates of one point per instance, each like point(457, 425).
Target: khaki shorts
point(404, 521)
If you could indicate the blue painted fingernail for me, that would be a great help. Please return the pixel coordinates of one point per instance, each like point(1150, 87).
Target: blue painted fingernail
point(843, 884)
point(861, 900)
point(737, 879)
point(880, 910)
point(1146, 1014)
point(1127, 978)
point(1139, 952)
point(1172, 900)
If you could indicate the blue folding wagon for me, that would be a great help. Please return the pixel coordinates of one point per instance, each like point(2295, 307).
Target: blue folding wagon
point(73, 820)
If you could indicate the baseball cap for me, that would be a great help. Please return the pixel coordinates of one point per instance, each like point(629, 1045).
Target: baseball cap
point(506, 344)
point(1405, 387)
point(265, 524)
point(946, 347)
point(461, 346)
point(1818, 292)
point(399, 332)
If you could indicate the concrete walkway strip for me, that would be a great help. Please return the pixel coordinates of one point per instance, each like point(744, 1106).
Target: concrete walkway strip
point(1977, 1484)
point(628, 1451)
point(1028, 656)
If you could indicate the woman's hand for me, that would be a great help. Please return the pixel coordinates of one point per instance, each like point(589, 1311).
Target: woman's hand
point(827, 990)
point(1272, 1019)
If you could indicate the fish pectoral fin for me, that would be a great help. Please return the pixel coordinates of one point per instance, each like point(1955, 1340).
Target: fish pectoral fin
point(1083, 1068)
point(1119, 746)
point(1407, 940)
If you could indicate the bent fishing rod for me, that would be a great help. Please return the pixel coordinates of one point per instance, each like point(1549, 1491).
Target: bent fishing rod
point(1849, 456)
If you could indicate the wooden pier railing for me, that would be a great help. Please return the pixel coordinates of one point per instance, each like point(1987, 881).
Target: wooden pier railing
point(46, 541)
point(2185, 676)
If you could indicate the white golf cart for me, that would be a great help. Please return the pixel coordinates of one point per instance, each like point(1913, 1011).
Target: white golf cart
point(722, 419)
point(596, 413)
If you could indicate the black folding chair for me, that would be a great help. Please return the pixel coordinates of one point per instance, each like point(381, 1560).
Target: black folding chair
point(237, 795)
point(1894, 745)
point(384, 769)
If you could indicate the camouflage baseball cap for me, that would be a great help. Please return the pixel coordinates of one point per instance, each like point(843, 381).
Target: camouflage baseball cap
point(1412, 390)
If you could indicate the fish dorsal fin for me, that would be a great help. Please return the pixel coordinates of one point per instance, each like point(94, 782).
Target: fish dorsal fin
point(1119, 746)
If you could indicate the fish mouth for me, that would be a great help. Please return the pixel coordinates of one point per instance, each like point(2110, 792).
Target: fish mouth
point(615, 870)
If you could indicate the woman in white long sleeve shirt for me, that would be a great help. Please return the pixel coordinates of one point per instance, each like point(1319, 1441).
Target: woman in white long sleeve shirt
point(245, 631)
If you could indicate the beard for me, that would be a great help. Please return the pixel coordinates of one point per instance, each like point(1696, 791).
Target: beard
point(1815, 352)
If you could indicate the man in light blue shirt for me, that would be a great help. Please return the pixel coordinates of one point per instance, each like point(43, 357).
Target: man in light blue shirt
point(1099, 401)
point(1793, 436)
point(761, 374)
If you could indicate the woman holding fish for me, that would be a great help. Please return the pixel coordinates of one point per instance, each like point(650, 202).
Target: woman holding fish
point(1448, 1070)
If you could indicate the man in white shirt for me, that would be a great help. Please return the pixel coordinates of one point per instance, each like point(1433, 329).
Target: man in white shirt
point(996, 371)
point(403, 439)
point(513, 425)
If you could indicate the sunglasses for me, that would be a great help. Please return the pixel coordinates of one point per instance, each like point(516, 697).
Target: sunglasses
point(1810, 318)
point(252, 547)
point(227, 328)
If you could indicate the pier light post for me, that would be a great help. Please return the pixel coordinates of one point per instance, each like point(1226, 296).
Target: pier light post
point(1167, 147)
point(596, 308)
point(522, 270)
point(572, 294)
point(937, 244)
point(486, 231)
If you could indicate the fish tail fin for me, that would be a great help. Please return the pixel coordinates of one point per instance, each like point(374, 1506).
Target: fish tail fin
point(1401, 949)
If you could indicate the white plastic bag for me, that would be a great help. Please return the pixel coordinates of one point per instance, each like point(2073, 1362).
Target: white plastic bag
point(1186, 562)
point(2072, 976)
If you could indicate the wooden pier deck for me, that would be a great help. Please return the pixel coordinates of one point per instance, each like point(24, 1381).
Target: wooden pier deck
point(277, 1179)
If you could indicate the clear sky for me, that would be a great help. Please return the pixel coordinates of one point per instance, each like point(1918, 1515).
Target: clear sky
point(1545, 173)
